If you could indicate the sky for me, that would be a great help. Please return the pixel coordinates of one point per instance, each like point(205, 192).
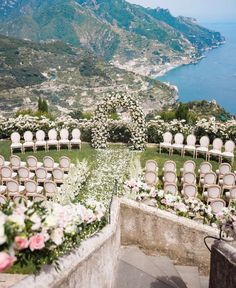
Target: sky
point(203, 10)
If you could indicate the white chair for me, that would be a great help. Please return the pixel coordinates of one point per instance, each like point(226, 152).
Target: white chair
point(170, 177)
point(25, 174)
point(40, 140)
point(65, 163)
point(150, 178)
point(217, 205)
point(191, 145)
point(228, 181)
point(32, 189)
point(217, 149)
point(169, 166)
point(49, 164)
point(13, 188)
point(171, 188)
point(2, 189)
point(29, 143)
point(151, 165)
point(189, 166)
point(42, 175)
point(33, 163)
point(7, 174)
point(75, 141)
point(3, 200)
point(52, 139)
point(64, 135)
point(166, 144)
point(229, 151)
point(203, 148)
point(16, 144)
point(223, 169)
point(209, 179)
point(188, 178)
point(3, 162)
point(213, 192)
point(231, 195)
point(178, 145)
point(20, 200)
point(189, 191)
point(58, 175)
point(40, 199)
point(205, 167)
point(16, 162)
point(51, 189)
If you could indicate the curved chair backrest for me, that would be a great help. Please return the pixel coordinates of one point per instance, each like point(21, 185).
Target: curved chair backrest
point(167, 137)
point(39, 198)
point(189, 178)
point(205, 167)
point(58, 173)
point(150, 178)
point(76, 133)
point(52, 134)
point(179, 138)
point(217, 205)
point(233, 192)
point(170, 177)
point(171, 188)
point(229, 179)
point(15, 161)
point(28, 136)
point(64, 162)
point(48, 162)
point(20, 200)
point(217, 144)
point(31, 161)
point(64, 134)
point(189, 166)
point(151, 165)
point(2, 161)
point(40, 135)
point(224, 168)
point(41, 173)
point(50, 187)
point(214, 191)
point(204, 141)
point(191, 140)
point(210, 178)
point(15, 137)
point(23, 172)
point(3, 200)
point(169, 166)
point(30, 186)
point(190, 190)
point(6, 172)
point(229, 146)
point(12, 186)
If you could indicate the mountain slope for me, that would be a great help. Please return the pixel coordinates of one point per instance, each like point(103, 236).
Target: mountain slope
point(69, 78)
point(139, 39)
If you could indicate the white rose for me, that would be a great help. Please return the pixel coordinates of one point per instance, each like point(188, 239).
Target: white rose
point(57, 236)
point(18, 219)
point(50, 221)
point(36, 220)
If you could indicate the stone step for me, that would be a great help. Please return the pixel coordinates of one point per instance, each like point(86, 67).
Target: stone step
point(159, 268)
point(190, 276)
point(204, 280)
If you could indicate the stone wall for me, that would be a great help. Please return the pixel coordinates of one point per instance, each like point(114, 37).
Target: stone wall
point(158, 231)
point(223, 266)
point(93, 264)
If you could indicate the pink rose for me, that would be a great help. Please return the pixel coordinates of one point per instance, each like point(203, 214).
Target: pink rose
point(21, 243)
point(36, 242)
point(6, 261)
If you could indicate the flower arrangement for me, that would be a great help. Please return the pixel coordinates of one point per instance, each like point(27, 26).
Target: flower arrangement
point(137, 127)
point(41, 233)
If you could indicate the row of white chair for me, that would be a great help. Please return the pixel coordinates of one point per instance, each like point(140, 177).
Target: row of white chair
point(30, 143)
point(203, 148)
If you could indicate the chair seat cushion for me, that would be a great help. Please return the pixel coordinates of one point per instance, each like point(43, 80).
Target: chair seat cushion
point(163, 144)
point(40, 143)
point(75, 141)
point(64, 141)
point(177, 146)
point(16, 145)
point(52, 142)
point(189, 147)
point(227, 154)
point(215, 152)
point(28, 144)
point(202, 149)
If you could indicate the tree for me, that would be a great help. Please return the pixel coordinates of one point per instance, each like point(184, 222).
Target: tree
point(42, 105)
point(182, 112)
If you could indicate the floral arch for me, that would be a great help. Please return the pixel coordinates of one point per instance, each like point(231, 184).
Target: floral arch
point(137, 126)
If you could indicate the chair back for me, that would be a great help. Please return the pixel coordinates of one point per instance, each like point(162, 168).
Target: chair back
point(52, 134)
point(23, 172)
point(229, 146)
point(191, 140)
point(151, 165)
point(232, 192)
point(50, 187)
point(217, 144)
point(76, 134)
point(190, 190)
point(39, 198)
point(189, 178)
point(169, 166)
point(189, 166)
point(30, 186)
point(171, 188)
point(150, 178)
point(32, 162)
point(229, 179)
point(217, 205)
point(41, 173)
point(12, 186)
point(210, 178)
point(214, 191)
point(205, 167)
point(179, 138)
point(15, 137)
point(167, 137)
point(58, 173)
point(170, 177)
point(48, 162)
point(40, 135)
point(28, 136)
point(64, 162)
point(204, 141)
point(6, 172)
point(64, 134)
point(224, 168)
point(15, 161)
